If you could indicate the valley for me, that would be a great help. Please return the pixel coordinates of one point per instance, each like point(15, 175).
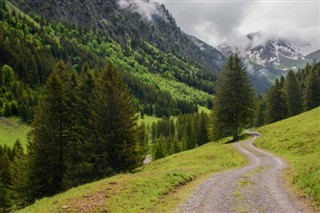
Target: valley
point(137, 106)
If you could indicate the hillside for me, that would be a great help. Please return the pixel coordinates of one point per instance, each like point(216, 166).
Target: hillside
point(12, 129)
point(296, 139)
point(159, 77)
point(175, 177)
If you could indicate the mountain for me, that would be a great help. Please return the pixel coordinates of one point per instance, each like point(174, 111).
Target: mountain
point(125, 20)
point(273, 52)
point(314, 55)
point(167, 70)
point(267, 58)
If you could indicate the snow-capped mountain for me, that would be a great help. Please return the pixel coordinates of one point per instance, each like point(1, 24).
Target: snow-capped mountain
point(278, 53)
point(267, 58)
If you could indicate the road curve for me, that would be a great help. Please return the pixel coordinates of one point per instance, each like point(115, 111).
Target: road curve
point(256, 187)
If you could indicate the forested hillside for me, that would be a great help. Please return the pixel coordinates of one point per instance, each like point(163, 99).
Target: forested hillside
point(164, 81)
point(291, 95)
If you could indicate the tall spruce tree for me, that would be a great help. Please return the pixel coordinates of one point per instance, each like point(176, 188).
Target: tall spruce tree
point(276, 104)
point(49, 137)
point(115, 123)
point(81, 151)
point(233, 103)
point(293, 93)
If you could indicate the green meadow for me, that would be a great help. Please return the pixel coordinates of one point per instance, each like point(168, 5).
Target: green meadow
point(297, 140)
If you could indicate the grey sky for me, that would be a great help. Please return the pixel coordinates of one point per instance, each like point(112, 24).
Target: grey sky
point(228, 21)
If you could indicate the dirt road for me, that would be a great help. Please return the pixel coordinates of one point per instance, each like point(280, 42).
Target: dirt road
point(255, 188)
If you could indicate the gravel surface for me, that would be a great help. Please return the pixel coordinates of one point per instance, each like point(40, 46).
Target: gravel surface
point(255, 188)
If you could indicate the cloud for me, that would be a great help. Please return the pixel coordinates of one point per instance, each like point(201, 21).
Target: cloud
point(146, 8)
point(219, 22)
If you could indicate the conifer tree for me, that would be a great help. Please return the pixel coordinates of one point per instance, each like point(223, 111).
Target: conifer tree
point(5, 178)
point(312, 91)
point(115, 124)
point(203, 136)
point(276, 104)
point(233, 103)
point(293, 93)
point(19, 174)
point(49, 137)
point(81, 150)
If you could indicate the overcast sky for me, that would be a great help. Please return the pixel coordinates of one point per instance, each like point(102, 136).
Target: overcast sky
point(228, 21)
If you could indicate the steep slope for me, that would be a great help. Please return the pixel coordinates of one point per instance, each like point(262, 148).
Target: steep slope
point(126, 20)
point(157, 187)
point(314, 55)
point(296, 139)
point(276, 53)
point(157, 74)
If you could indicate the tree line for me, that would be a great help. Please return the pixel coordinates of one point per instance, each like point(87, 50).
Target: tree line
point(85, 128)
point(296, 93)
point(170, 136)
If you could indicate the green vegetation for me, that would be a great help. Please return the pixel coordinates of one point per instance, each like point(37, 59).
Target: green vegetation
point(13, 129)
point(159, 186)
point(160, 80)
point(173, 135)
point(297, 140)
point(233, 102)
point(291, 95)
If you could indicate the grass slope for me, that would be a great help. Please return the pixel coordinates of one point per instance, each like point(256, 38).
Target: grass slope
point(297, 139)
point(12, 129)
point(157, 187)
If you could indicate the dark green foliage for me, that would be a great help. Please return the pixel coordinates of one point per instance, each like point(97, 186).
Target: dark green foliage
point(298, 92)
point(115, 122)
point(293, 93)
point(85, 129)
point(187, 132)
point(19, 174)
point(312, 90)
point(233, 103)
point(49, 137)
point(6, 156)
point(277, 105)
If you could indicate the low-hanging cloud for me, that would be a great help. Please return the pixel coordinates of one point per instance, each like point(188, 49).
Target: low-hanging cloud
point(228, 22)
point(146, 8)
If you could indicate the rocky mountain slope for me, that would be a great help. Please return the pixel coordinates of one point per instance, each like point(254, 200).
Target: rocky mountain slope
point(269, 57)
point(125, 21)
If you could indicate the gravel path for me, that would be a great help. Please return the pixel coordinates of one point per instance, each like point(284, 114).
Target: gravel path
point(255, 188)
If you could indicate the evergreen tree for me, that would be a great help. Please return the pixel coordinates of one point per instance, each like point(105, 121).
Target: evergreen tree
point(80, 161)
point(19, 174)
point(233, 103)
point(203, 136)
point(276, 104)
point(48, 138)
point(5, 178)
point(115, 124)
point(312, 91)
point(293, 93)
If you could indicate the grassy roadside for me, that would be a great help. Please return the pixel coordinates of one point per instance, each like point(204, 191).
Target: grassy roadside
point(157, 187)
point(297, 140)
point(12, 129)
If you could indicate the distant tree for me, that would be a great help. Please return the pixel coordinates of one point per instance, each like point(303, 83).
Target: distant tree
point(293, 93)
point(312, 90)
point(233, 103)
point(276, 104)
point(7, 75)
point(202, 131)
